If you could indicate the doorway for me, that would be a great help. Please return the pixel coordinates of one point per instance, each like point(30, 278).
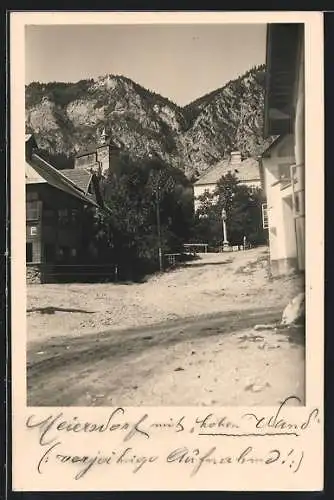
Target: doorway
point(289, 228)
point(29, 252)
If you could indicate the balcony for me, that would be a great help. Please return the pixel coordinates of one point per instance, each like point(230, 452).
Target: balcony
point(285, 175)
point(285, 183)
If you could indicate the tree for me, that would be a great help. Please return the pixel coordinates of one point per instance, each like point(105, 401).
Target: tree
point(150, 213)
point(243, 211)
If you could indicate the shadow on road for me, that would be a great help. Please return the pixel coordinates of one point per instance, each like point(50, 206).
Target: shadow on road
point(207, 264)
point(59, 353)
point(53, 310)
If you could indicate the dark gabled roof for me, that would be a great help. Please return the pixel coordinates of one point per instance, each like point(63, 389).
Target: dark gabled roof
point(246, 170)
point(58, 180)
point(80, 177)
point(214, 173)
point(94, 148)
point(87, 151)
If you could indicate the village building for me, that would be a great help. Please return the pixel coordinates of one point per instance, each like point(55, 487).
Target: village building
point(55, 203)
point(283, 163)
point(247, 172)
point(98, 158)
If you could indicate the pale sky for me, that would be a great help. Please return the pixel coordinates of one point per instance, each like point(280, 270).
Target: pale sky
point(181, 62)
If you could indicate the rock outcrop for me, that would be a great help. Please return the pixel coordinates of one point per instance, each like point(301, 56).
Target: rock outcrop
point(65, 117)
point(294, 313)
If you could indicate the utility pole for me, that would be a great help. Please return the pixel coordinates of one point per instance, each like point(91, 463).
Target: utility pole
point(159, 227)
point(157, 207)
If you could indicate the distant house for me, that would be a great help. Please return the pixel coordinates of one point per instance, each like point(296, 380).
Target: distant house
point(283, 162)
point(247, 171)
point(55, 203)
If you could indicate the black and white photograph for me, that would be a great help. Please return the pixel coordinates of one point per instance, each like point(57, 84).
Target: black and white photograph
point(166, 239)
point(165, 214)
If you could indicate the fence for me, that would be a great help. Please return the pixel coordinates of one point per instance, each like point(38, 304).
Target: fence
point(172, 258)
point(79, 272)
point(193, 246)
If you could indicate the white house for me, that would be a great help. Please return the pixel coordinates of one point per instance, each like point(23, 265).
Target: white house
point(283, 162)
point(247, 172)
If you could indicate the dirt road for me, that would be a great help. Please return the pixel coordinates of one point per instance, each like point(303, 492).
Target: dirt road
point(182, 338)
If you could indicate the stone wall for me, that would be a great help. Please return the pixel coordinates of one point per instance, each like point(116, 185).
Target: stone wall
point(33, 274)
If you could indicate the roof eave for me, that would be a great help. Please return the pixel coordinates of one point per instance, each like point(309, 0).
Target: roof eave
point(211, 183)
point(267, 85)
point(89, 180)
point(67, 185)
point(280, 75)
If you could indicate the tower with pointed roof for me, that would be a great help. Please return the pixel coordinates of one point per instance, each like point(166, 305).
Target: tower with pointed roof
point(99, 158)
point(103, 137)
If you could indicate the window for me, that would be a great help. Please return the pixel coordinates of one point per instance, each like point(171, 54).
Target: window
point(60, 252)
point(74, 215)
point(32, 210)
point(31, 196)
point(63, 254)
point(29, 252)
point(265, 220)
point(63, 215)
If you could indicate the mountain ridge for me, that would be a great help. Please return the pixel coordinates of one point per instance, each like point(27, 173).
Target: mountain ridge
point(65, 117)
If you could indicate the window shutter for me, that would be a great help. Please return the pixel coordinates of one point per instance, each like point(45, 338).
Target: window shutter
point(265, 222)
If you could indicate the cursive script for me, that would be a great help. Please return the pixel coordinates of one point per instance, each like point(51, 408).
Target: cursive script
point(279, 422)
point(248, 455)
point(85, 463)
point(195, 458)
point(206, 432)
point(57, 424)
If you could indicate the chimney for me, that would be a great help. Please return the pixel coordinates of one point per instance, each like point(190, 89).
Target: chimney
point(235, 157)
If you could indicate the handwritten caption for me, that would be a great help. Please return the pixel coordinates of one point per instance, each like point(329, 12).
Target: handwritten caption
point(212, 430)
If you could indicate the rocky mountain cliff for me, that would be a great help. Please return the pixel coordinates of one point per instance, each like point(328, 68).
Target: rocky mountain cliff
point(65, 118)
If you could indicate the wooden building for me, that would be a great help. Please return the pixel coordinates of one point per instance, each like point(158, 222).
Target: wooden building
point(56, 201)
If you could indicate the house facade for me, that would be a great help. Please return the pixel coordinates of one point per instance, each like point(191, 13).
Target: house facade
point(56, 201)
point(283, 163)
point(247, 171)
